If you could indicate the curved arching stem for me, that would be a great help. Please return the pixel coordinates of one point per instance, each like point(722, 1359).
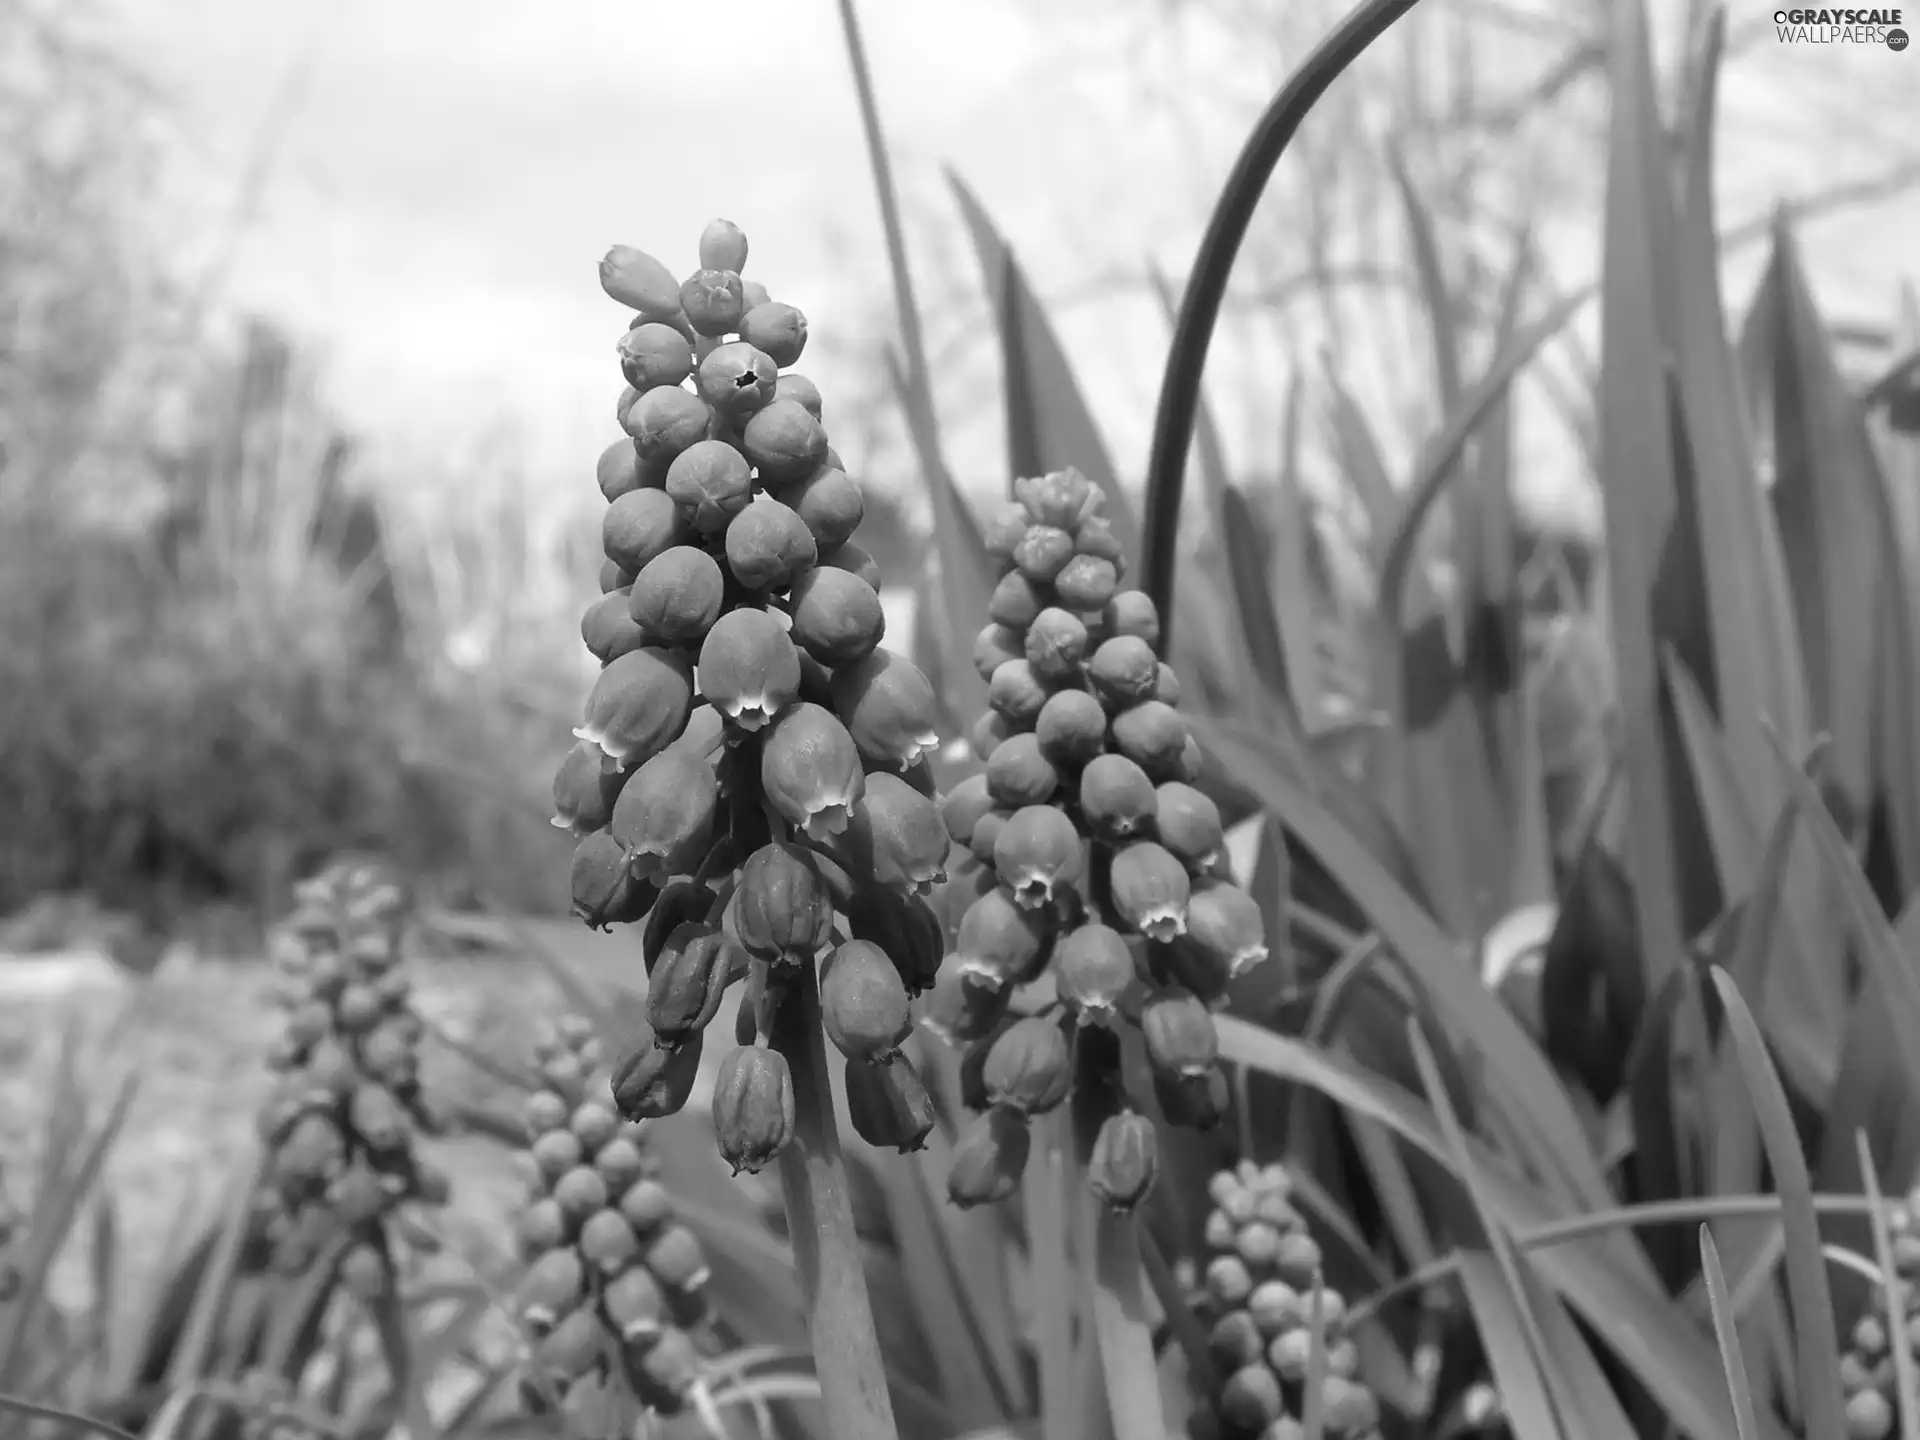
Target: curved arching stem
point(1207, 286)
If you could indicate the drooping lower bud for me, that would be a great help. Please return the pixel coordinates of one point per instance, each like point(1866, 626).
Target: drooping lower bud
point(1225, 922)
point(584, 789)
point(1125, 1160)
point(896, 835)
point(1002, 943)
point(605, 890)
point(753, 1107)
point(689, 981)
point(889, 1105)
point(655, 1081)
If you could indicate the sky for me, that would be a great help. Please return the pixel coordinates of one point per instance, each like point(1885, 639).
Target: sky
point(440, 178)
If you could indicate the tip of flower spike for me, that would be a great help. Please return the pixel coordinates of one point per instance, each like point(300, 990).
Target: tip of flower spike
point(828, 821)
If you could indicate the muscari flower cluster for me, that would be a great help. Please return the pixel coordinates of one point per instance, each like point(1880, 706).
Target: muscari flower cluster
point(751, 776)
point(614, 1285)
point(1093, 863)
point(1866, 1365)
point(342, 1121)
point(1257, 1295)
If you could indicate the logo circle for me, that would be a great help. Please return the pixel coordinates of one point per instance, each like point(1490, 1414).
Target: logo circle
point(1896, 39)
point(1779, 17)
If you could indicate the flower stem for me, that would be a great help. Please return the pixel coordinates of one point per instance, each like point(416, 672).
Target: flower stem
point(826, 1252)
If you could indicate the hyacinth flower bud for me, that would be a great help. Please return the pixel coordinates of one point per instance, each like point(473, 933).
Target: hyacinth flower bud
point(749, 670)
point(1071, 729)
point(636, 1305)
point(829, 504)
point(638, 705)
point(810, 770)
point(1061, 498)
point(736, 380)
point(1124, 671)
point(612, 577)
point(1251, 1400)
point(1167, 689)
point(989, 1158)
point(1029, 1066)
point(1016, 601)
point(1003, 531)
point(1093, 968)
point(1150, 890)
point(995, 646)
point(888, 707)
point(1181, 1040)
point(864, 1005)
point(1152, 735)
point(606, 1241)
point(723, 246)
point(608, 629)
point(664, 424)
point(711, 482)
point(639, 526)
point(584, 790)
point(689, 981)
point(1187, 823)
point(1193, 1102)
point(784, 442)
point(905, 927)
point(1043, 552)
point(792, 386)
point(1019, 774)
point(768, 545)
point(896, 836)
point(653, 354)
point(603, 888)
point(889, 1105)
point(779, 330)
point(665, 814)
point(572, 1346)
point(1117, 800)
point(713, 301)
point(988, 733)
point(1132, 612)
point(1017, 693)
point(1056, 645)
point(1224, 922)
point(654, 1081)
point(837, 617)
point(378, 1118)
point(960, 809)
point(1086, 582)
point(1125, 1160)
point(667, 1372)
point(781, 911)
point(636, 280)
point(752, 1107)
point(1001, 942)
point(554, 1285)
point(1038, 855)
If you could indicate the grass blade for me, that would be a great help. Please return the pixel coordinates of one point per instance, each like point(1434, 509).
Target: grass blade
point(1824, 1408)
point(1726, 1330)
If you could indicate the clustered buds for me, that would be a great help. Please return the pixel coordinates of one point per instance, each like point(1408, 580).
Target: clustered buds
point(612, 1294)
point(751, 776)
point(1091, 858)
point(1257, 1295)
point(342, 1121)
point(1866, 1365)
